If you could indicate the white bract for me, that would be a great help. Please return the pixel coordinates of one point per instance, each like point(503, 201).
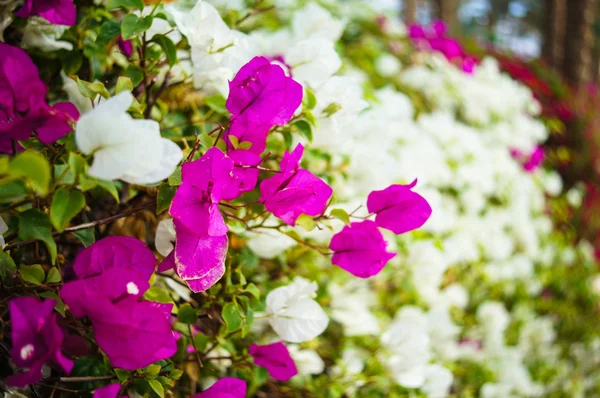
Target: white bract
point(165, 237)
point(124, 148)
point(308, 362)
point(294, 314)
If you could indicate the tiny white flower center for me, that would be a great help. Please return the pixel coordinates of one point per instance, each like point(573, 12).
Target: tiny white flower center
point(132, 288)
point(27, 351)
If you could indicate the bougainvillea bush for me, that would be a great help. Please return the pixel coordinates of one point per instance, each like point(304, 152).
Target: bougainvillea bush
point(230, 199)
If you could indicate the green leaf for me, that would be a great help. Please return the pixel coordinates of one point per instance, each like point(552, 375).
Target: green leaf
point(12, 191)
point(164, 197)
point(53, 276)
point(305, 129)
point(7, 265)
point(216, 103)
point(133, 25)
point(157, 387)
point(187, 314)
point(34, 167)
point(32, 273)
point(294, 235)
point(232, 317)
point(331, 109)
point(34, 224)
point(245, 145)
point(175, 374)
point(123, 375)
point(175, 178)
point(60, 305)
point(341, 215)
point(79, 167)
point(310, 117)
point(85, 236)
point(153, 369)
point(108, 32)
point(110, 187)
point(168, 47)
point(124, 83)
point(158, 294)
point(64, 173)
point(200, 341)
point(310, 100)
point(234, 141)
point(127, 4)
point(91, 90)
point(206, 141)
point(135, 74)
point(253, 290)
point(306, 222)
point(65, 206)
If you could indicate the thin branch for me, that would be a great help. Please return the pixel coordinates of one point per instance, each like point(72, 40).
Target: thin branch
point(92, 224)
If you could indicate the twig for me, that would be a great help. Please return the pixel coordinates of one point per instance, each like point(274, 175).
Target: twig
point(92, 224)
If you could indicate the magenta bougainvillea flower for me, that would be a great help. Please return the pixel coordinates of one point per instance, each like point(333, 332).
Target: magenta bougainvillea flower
point(204, 183)
point(262, 94)
point(108, 391)
point(125, 46)
point(360, 249)
point(114, 284)
point(228, 387)
point(23, 107)
point(115, 252)
point(532, 162)
point(247, 133)
point(398, 208)
point(294, 191)
point(59, 12)
point(245, 173)
point(113, 275)
point(276, 358)
point(199, 260)
point(134, 334)
point(36, 339)
point(435, 38)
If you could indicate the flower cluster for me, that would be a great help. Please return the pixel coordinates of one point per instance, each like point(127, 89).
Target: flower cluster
point(339, 203)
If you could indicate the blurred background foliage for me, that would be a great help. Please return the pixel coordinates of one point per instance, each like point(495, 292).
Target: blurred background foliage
point(552, 46)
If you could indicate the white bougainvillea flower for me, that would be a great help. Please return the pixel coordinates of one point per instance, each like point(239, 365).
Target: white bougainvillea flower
point(314, 21)
point(293, 313)
point(125, 148)
point(3, 229)
point(165, 237)
point(313, 61)
point(308, 362)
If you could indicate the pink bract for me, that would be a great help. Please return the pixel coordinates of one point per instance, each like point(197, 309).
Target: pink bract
point(23, 107)
point(115, 252)
point(204, 183)
point(36, 339)
point(262, 94)
point(360, 249)
point(199, 260)
point(294, 191)
point(276, 358)
point(398, 208)
point(58, 12)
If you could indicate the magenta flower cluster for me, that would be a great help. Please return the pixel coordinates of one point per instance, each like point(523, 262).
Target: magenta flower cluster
point(23, 108)
point(435, 38)
point(360, 248)
point(261, 96)
point(532, 161)
point(59, 12)
point(112, 276)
